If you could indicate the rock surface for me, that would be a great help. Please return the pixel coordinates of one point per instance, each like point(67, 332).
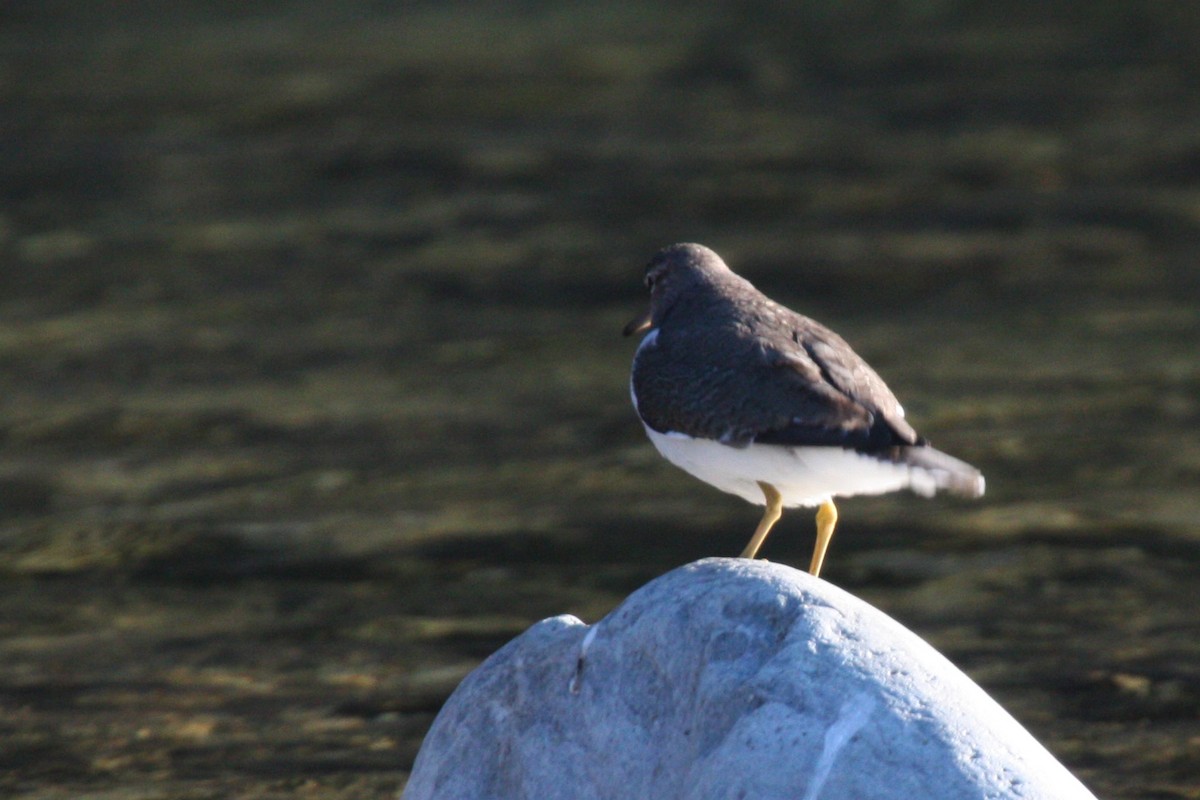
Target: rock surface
point(729, 678)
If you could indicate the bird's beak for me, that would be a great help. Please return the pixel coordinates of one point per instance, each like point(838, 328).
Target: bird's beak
point(638, 324)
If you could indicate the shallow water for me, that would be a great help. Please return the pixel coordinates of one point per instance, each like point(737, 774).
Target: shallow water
point(313, 390)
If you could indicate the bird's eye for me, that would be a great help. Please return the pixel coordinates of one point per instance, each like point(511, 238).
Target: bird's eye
point(649, 281)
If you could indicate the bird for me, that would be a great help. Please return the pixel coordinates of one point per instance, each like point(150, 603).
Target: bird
point(767, 404)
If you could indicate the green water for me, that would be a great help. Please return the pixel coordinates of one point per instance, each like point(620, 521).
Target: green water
point(314, 393)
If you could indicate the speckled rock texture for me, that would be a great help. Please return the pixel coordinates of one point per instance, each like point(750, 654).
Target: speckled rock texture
point(729, 678)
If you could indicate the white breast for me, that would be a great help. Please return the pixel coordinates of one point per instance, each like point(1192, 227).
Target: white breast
point(804, 476)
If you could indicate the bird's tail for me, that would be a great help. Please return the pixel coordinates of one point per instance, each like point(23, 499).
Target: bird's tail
point(934, 471)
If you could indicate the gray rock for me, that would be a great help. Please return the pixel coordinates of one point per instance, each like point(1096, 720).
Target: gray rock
point(729, 678)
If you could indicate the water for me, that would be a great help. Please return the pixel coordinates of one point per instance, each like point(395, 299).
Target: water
point(314, 392)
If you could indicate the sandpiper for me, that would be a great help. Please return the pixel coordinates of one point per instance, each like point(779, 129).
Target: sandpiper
point(767, 404)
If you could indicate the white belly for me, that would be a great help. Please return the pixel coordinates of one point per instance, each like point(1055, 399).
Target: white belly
point(804, 476)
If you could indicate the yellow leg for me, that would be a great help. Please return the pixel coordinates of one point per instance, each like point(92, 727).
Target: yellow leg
point(770, 516)
point(826, 519)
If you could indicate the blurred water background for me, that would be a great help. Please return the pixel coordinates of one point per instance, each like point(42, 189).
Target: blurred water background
point(313, 392)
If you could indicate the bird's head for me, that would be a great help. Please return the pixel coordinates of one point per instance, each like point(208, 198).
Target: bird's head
point(673, 272)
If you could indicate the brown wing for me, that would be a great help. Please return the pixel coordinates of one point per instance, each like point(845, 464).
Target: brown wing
point(805, 386)
point(862, 411)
